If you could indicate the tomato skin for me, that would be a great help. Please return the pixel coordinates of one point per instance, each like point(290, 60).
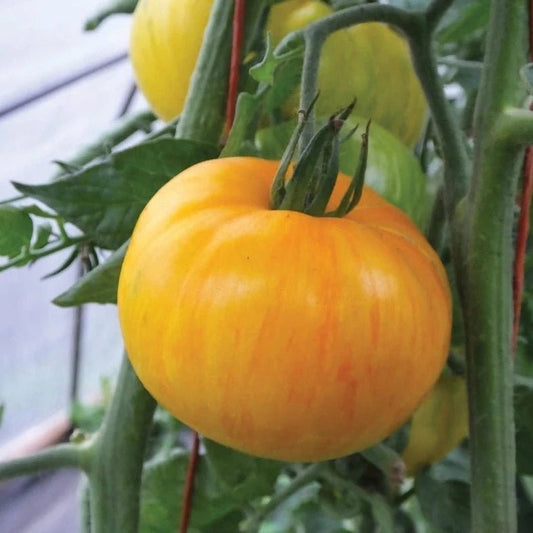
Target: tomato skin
point(439, 424)
point(165, 40)
point(166, 37)
point(392, 170)
point(276, 333)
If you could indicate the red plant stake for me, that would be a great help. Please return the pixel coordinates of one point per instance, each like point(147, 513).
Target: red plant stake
point(523, 222)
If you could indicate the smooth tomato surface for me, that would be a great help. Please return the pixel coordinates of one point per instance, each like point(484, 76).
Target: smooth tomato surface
point(439, 424)
point(277, 333)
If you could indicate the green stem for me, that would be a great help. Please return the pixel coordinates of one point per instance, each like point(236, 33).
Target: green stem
point(124, 129)
point(60, 456)
point(515, 126)
point(116, 466)
point(204, 113)
point(33, 255)
point(452, 143)
point(311, 473)
point(418, 27)
point(487, 298)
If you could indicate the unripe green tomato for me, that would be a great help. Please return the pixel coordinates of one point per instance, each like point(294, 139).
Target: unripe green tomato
point(392, 170)
point(375, 65)
point(439, 424)
point(166, 37)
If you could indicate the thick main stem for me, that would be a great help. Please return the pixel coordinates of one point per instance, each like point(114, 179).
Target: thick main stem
point(116, 466)
point(487, 273)
point(204, 112)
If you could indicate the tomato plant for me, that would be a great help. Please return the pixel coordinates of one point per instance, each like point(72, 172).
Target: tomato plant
point(166, 37)
point(298, 332)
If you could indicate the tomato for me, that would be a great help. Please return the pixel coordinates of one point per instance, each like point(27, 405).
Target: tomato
point(438, 425)
point(277, 333)
point(376, 69)
point(392, 170)
point(166, 38)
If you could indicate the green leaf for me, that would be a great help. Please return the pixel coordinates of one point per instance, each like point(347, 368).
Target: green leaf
point(472, 18)
point(2, 408)
point(104, 200)
point(99, 285)
point(446, 505)
point(16, 229)
point(162, 491)
point(224, 482)
point(43, 236)
point(454, 467)
point(245, 477)
point(523, 392)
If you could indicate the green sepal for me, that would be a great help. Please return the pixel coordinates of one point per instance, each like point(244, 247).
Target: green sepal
point(353, 193)
point(315, 174)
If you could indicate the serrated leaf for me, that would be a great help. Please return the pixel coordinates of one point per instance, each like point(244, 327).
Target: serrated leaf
point(16, 229)
point(523, 403)
point(293, 48)
point(162, 491)
point(446, 505)
point(97, 286)
point(104, 200)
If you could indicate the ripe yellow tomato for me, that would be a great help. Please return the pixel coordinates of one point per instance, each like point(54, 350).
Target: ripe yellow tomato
point(438, 425)
point(166, 37)
point(274, 332)
point(165, 40)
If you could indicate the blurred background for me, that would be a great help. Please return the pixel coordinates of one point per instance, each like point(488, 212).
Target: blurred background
point(60, 88)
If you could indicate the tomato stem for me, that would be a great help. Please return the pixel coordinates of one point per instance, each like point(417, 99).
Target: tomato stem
point(315, 173)
point(61, 456)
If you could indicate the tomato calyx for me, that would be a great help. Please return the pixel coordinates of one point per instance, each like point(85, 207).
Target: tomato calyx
point(313, 179)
